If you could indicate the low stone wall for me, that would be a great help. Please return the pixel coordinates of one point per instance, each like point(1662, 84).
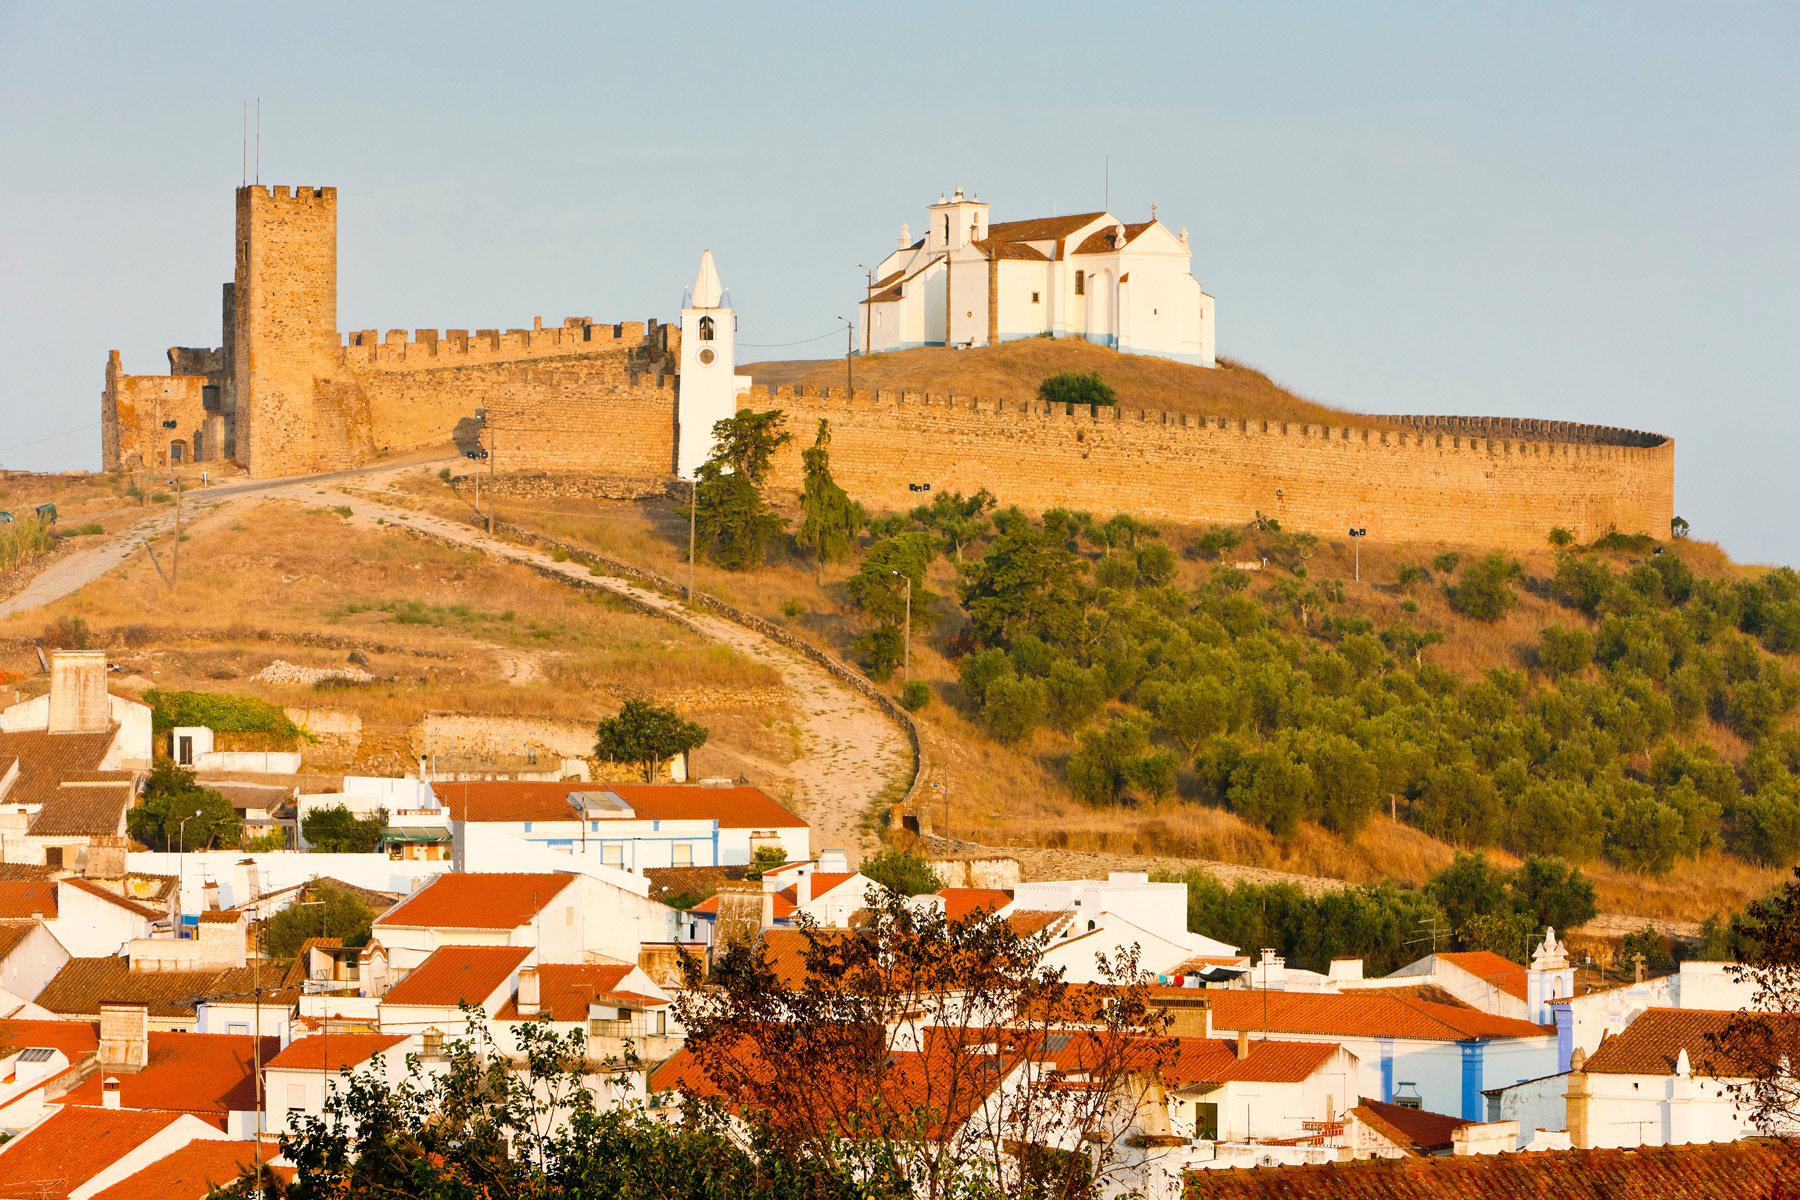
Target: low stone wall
point(539, 485)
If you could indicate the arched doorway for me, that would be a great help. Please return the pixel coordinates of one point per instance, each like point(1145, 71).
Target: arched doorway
point(1100, 298)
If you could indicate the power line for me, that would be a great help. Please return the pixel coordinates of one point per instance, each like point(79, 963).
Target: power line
point(66, 433)
point(801, 342)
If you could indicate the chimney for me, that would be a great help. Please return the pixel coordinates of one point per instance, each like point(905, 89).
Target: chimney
point(767, 916)
point(109, 1093)
point(528, 992)
point(211, 892)
point(105, 858)
point(834, 862)
point(124, 1037)
point(803, 889)
point(1243, 1046)
point(249, 883)
point(78, 700)
point(1576, 1100)
point(1189, 1016)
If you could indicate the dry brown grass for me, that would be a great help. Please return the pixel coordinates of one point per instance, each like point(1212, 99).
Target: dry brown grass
point(1013, 370)
point(506, 640)
point(1694, 890)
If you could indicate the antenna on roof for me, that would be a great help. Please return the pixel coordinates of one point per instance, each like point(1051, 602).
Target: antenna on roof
point(1108, 204)
point(259, 140)
point(244, 164)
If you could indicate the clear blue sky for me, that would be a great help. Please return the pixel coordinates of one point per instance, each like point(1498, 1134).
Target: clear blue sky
point(1588, 212)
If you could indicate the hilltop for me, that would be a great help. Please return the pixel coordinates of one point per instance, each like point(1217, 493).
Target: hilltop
point(1013, 370)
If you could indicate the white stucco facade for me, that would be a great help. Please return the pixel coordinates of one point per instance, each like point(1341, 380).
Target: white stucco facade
point(1095, 276)
point(709, 381)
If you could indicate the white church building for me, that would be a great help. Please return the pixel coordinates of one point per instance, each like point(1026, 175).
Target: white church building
point(1090, 275)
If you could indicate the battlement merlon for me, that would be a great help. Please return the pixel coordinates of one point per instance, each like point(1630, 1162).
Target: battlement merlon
point(1444, 432)
point(434, 348)
point(281, 193)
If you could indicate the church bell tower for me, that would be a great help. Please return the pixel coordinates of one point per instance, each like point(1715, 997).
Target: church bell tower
point(709, 382)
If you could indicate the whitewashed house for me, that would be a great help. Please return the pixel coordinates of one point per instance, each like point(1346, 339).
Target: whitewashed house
point(969, 282)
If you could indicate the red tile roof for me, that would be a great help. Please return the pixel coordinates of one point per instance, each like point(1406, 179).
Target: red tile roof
point(73, 1038)
point(78, 989)
point(1715, 1171)
point(566, 989)
point(21, 898)
point(1503, 973)
point(454, 974)
point(1358, 1014)
point(1212, 1060)
point(191, 1172)
point(47, 759)
point(1027, 921)
point(70, 1147)
point(488, 901)
point(1651, 1044)
point(1411, 1129)
point(731, 807)
point(996, 249)
point(1100, 241)
point(148, 911)
point(961, 903)
point(86, 809)
point(207, 1074)
point(784, 905)
point(345, 1049)
point(1040, 229)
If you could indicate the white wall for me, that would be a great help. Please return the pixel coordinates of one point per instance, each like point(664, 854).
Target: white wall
point(1633, 1110)
point(1159, 908)
point(89, 927)
point(280, 869)
point(1535, 1104)
point(33, 963)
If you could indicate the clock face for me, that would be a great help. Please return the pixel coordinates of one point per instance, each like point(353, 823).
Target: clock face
point(706, 357)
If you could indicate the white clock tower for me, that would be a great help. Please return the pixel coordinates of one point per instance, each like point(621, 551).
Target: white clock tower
point(709, 384)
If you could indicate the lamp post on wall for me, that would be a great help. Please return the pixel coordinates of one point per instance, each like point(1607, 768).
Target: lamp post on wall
point(849, 353)
point(1356, 536)
point(868, 294)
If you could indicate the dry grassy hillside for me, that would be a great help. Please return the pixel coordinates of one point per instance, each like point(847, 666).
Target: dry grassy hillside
point(1012, 371)
point(1007, 795)
point(439, 628)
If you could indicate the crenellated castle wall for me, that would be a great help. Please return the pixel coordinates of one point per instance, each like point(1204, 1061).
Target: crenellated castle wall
point(1482, 481)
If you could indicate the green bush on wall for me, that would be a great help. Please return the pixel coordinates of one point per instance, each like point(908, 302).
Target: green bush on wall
point(220, 712)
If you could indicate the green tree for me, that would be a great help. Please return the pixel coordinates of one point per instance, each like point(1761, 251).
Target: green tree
point(324, 909)
point(337, 830)
point(1481, 593)
point(765, 858)
point(1195, 710)
point(1029, 581)
point(905, 872)
point(1553, 893)
point(1564, 651)
point(1075, 387)
point(732, 518)
point(1014, 707)
point(1105, 760)
point(648, 734)
point(831, 519)
point(1270, 788)
point(1649, 942)
point(880, 588)
point(959, 520)
point(171, 796)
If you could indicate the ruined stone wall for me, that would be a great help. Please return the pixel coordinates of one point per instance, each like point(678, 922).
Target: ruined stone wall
point(133, 412)
point(1480, 481)
point(285, 335)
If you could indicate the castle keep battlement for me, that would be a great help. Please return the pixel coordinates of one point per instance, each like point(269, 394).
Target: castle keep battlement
point(288, 393)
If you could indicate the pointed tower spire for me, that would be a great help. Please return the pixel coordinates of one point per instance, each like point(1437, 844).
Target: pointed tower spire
point(706, 283)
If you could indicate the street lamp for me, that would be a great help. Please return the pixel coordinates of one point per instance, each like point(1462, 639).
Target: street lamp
point(181, 867)
point(868, 346)
point(1355, 534)
point(906, 641)
point(849, 352)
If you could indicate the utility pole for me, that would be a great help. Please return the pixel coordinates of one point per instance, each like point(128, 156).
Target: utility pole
point(849, 353)
point(493, 450)
point(869, 294)
point(693, 516)
point(906, 638)
point(1356, 536)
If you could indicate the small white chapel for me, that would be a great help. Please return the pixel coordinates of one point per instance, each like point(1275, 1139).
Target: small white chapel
point(1090, 275)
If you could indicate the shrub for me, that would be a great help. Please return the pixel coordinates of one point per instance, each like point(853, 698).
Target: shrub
point(68, 633)
point(91, 529)
point(1481, 592)
point(902, 871)
point(1654, 948)
point(337, 830)
point(915, 695)
point(1216, 540)
point(792, 608)
point(1564, 651)
point(222, 713)
point(1560, 537)
point(1074, 387)
point(327, 911)
point(1446, 563)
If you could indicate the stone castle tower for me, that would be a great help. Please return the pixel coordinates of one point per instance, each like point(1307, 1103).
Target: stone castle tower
point(284, 331)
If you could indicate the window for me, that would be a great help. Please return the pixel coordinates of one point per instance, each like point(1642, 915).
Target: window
point(706, 329)
point(528, 827)
point(187, 751)
point(1034, 297)
point(1206, 1122)
point(662, 1023)
point(569, 915)
point(175, 449)
point(683, 855)
point(612, 855)
point(241, 1028)
point(296, 1097)
point(1081, 283)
